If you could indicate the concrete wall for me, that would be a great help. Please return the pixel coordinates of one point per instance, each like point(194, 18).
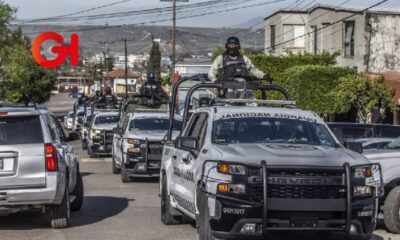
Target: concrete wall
point(385, 43)
point(278, 21)
point(332, 38)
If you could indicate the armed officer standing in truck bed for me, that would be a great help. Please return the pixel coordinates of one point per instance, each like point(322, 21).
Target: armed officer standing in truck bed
point(232, 64)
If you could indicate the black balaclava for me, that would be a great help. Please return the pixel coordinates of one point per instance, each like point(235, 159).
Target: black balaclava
point(232, 51)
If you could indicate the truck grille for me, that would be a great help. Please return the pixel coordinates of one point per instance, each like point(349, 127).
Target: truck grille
point(155, 148)
point(298, 184)
point(109, 136)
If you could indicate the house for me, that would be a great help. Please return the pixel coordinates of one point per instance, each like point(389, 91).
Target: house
point(193, 66)
point(116, 79)
point(368, 41)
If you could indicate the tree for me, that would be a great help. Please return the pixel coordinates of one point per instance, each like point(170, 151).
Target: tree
point(364, 94)
point(154, 64)
point(22, 79)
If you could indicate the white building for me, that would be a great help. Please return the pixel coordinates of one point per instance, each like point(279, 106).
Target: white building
point(368, 40)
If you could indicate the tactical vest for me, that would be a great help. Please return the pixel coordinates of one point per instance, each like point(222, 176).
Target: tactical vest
point(232, 68)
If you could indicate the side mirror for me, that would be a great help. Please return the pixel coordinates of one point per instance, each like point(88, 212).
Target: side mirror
point(73, 136)
point(118, 131)
point(354, 146)
point(189, 143)
point(87, 125)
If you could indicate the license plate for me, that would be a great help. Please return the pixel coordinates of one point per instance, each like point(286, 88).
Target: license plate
point(101, 148)
point(303, 222)
point(1, 164)
point(141, 167)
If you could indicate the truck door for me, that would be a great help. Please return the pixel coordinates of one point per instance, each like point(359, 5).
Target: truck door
point(185, 163)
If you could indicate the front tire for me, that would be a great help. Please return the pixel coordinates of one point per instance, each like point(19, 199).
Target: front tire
point(91, 153)
point(166, 216)
point(203, 221)
point(78, 193)
point(115, 170)
point(391, 211)
point(60, 215)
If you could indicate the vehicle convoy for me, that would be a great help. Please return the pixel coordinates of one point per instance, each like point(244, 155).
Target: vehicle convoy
point(100, 133)
point(38, 168)
point(245, 168)
point(388, 158)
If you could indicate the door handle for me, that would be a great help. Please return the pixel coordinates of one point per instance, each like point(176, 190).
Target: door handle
point(174, 157)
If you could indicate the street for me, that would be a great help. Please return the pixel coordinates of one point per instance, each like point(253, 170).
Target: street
point(112, 210)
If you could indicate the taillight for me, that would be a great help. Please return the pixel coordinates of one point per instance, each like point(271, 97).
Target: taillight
point(3, 113)
point(51, 158)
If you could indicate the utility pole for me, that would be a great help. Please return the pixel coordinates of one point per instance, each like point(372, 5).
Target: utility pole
point(126, 63)
point(173, 33)
point(126, 68)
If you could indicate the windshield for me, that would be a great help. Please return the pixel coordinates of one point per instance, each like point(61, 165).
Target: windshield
point(106, 120)
point(80, 114)
point(271, 130)
point(139, 124)
point(71, 115)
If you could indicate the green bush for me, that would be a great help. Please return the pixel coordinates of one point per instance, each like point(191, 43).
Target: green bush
point(313, 86)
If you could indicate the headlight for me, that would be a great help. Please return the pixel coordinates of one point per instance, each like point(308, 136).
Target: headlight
point(364, 172)
point(234, 169)
point(133, 150)
point(367, 180)
point(362, 191)
point(133, 141)
point(231, 188)
point(96, 132)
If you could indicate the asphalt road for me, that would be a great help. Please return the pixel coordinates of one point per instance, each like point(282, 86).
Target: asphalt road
point(111, 210)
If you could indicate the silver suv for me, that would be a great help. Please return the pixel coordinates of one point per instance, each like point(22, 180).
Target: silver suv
point(38, 168)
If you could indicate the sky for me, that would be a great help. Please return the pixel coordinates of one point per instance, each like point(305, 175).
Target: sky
point(34, 9)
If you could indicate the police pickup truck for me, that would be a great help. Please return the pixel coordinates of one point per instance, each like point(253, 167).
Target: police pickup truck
point(245, 168)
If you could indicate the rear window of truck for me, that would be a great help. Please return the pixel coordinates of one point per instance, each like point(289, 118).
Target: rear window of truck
point(20, 130)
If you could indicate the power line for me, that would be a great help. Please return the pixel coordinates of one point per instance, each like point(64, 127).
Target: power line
point(334, 23)
point(168, 19)
point(76, 13)
point(145, 11)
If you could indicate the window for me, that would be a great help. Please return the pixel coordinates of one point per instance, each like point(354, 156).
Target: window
point(325, 37)
point(294, 36)
point(272, 37)
point(13, 130)
point(349, 39)
point(197, 127)
point(106, 120)
point(141, 124)
point(314, 40)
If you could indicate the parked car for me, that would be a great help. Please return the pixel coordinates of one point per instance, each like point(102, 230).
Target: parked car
point(351, 131)
point(78, 121)
point(101, 133)
point(137, 145)
point(75, 95)
point(389, 159)
point(68, 120)
point(38, 168)
point(373, 143)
